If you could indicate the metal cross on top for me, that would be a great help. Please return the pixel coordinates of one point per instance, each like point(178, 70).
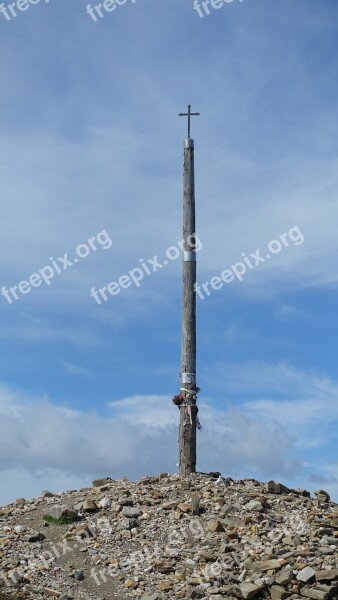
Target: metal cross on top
point(189, 114)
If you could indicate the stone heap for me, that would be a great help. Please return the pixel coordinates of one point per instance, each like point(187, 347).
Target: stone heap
point(171, 537)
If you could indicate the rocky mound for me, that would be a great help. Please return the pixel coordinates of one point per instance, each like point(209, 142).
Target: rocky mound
point(171, 537)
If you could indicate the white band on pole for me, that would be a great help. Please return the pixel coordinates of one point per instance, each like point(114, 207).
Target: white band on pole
point(189, 256)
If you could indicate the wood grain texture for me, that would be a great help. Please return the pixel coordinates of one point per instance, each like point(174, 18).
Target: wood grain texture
point(187, 430)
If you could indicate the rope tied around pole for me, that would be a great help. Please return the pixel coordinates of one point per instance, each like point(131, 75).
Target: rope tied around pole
point(187, 400)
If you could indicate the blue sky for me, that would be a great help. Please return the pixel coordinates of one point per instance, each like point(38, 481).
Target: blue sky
point(91, 142)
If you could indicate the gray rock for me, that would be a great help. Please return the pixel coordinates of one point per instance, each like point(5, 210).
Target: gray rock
point(102, 481)
point(276, 488)
point(36, 537)
point(322, 496)
point(215, 526)
point(284, 577)
point(47, 494)
point(131, 512)
point(302, 492)
point(227, 509)
point(250, 590)
point(61, 511)
point(191, 564)
point(233, 522)
point(126, 501)
point(196, 594)
point(278, 593)
point(254, 505)
point(105, 503)
point(266, 565)
point(89, 505)
point(66, 596)
point(308, 592)
point(327, 588)
point(306, 574)
point(291, 540)
point(83, 532)
point(195, 506)
point(324, 550)
point(327, 575)
point(129, 523)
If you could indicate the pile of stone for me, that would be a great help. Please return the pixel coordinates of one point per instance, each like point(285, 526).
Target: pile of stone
point(171, 537)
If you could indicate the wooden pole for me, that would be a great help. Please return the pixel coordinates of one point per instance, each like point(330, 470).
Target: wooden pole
point(188, 409)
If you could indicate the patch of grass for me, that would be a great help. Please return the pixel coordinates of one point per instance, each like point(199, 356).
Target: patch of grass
point(62, 521)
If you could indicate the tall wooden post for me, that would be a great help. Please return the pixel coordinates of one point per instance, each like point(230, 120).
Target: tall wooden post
point(188, 408)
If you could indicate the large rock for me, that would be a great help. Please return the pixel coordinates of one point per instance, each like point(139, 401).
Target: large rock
point(165, 586)
point(126, 501)
point(327, 575)
point(250, 590)
point(254, 505)
point(266, 565)
point(276, 488)
point(215, 526)
point(195, 506)
point(233, 522)
point(47, 494)
point(306, 574)
point(184, 507)
point(284, 577)
point(89, 505)
point(131, 512)
point(61, 511)
point(105, 503)
point(322, 496)
point(102, 481)
point(279, 593)
point(315, 594)
point(129, 523)
point(52, 592)
point(169, 505)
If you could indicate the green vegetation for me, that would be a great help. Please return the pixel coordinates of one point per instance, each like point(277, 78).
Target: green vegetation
point(62, 521)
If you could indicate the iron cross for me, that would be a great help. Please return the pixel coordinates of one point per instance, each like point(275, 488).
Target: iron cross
point(189, 114)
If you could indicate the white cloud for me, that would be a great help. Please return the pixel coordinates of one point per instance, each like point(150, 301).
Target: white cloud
point(145, 411)
point(289, 433)
point(265, 377)
point(280, 392)
point(62, 177)
point(138, 438)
